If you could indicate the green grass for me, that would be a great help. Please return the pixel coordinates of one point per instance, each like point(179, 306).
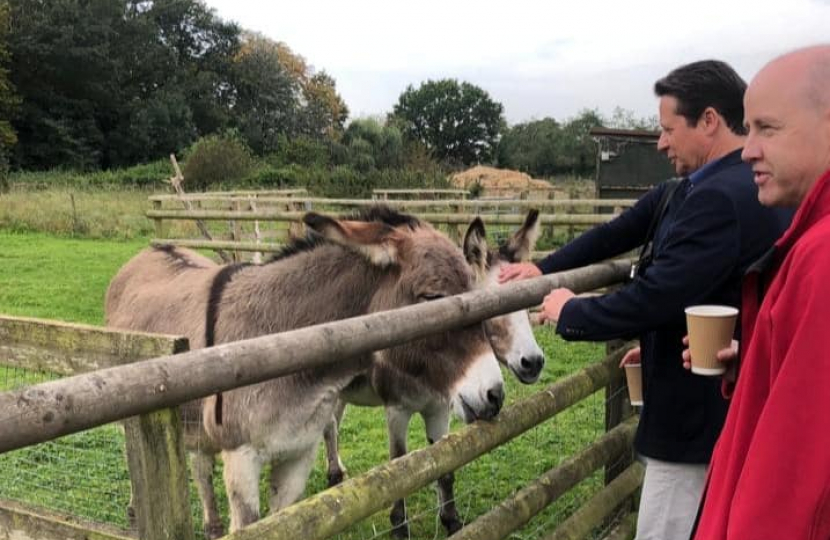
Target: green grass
point(66, 278)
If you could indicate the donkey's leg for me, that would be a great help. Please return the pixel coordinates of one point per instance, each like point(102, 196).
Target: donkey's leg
point(437, 423)
point(337, 471)
point(242, 469)
point(397, 424)
point(288, 479)
point(202, 464)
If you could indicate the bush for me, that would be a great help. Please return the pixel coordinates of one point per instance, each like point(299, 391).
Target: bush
point(300, 151)
point(149, 175)
point(216, 159)
point(4, 172)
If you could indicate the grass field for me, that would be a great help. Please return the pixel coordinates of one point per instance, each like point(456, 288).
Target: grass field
point(65, 278)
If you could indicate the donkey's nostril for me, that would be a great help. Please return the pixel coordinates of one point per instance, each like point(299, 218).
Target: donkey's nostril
point(533, 363)
point(495, 397)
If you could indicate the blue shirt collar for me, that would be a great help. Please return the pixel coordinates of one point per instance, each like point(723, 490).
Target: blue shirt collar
point(704, 171)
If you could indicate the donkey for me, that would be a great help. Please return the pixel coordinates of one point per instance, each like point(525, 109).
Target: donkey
point(379, 261)
point(511, 337)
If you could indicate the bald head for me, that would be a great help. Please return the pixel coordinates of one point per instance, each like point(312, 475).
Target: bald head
point(808, 69)
point(787, 111)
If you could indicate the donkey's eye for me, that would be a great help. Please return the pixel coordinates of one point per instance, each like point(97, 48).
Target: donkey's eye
point(429, 297)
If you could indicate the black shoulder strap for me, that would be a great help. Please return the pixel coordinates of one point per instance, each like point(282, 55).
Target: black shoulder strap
point(645, 250)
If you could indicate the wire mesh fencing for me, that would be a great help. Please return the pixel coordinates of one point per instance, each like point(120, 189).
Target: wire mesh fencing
point(85, 475)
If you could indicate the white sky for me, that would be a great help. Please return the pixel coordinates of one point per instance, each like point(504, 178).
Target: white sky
point(538, 58)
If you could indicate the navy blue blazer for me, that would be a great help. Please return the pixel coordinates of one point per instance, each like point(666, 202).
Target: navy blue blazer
point(709, 236)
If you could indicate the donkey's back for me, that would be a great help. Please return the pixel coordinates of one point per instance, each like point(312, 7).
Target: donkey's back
point(160, 290)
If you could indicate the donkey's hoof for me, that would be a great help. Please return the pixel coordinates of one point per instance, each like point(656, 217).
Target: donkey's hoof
point(335, 477)
point(453, 525)
point(214, 531)
point(132, 521)
point(401, 531)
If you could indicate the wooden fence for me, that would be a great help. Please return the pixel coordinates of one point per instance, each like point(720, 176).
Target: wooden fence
point(450, 215)
point(151, 387)
point(155, 454)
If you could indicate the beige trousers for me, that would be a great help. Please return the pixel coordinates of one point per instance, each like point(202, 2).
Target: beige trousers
point(669, 500)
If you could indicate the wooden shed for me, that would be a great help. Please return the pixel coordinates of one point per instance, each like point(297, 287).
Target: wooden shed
point(628, 163)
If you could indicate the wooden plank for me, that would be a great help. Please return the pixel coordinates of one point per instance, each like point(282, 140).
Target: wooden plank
point(412, 204)
point(591, 514)
point(447, 219)
point(20, 523)
point(68, 349)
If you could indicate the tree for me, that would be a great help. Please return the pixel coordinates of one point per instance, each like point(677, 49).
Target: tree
point(324, 111)
point(9, 101)
point(625, 119)
point(372, 143)
point(576, 146)
point(277, 93)
point(113, 82)
point(457, 122)
point(532, 148)
point(266, 100)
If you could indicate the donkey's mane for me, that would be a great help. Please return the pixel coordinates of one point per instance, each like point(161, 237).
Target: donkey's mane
point(177, 256)
point(377, 213)
point(384, 214)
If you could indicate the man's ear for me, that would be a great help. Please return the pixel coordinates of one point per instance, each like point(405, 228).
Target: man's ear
point(710, 120)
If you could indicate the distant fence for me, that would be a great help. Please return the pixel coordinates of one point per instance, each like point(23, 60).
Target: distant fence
point(40, 412)
point(386, 194)
point(239, 221)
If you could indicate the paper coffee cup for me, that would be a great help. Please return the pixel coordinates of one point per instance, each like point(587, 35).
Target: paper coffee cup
point(710, 330)
point(634, 378)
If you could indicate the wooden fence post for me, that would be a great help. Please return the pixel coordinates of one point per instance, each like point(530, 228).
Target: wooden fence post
point(158, 472)
point(158, 475)
point(159, 222)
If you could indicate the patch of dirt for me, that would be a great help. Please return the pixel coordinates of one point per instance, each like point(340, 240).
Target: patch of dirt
point(503, 183)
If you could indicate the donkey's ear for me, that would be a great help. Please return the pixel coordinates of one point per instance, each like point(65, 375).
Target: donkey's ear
point(373, 239)
point(475, 246)
point(523, 241)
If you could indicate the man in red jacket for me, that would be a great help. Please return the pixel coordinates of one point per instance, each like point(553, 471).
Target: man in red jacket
point(769, 478)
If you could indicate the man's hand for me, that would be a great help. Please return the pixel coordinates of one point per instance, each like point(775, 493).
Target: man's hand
point(631, 357)
point(515, 271)
point(727, 356)
point(553, 304)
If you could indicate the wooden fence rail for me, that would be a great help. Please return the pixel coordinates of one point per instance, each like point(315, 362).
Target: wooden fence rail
point(469, 204)
point(447, 219)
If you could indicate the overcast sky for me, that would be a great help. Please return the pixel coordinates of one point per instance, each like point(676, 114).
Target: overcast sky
point(538, 58)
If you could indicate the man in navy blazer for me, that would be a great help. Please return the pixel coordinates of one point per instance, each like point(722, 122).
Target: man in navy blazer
point(712, 230)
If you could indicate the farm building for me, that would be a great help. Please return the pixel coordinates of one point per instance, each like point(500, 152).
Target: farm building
point(628, 163)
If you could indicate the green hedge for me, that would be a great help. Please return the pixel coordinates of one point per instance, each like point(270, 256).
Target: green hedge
point(149, 175)
point(341, 181)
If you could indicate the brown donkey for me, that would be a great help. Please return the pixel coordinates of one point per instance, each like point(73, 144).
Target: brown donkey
point(378, 261)
point(513, 342)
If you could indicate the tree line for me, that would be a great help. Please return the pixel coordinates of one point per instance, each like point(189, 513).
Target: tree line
point(102, 84)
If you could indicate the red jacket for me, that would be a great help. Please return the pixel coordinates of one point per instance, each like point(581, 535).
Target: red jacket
point(769, 478)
